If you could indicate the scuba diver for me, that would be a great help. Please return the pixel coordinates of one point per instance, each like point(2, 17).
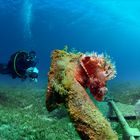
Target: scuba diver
point(21, 64)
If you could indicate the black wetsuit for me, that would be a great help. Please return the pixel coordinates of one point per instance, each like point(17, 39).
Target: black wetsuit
point(17, 65)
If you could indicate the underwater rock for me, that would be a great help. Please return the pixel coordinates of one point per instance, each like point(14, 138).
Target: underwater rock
point(70, 74)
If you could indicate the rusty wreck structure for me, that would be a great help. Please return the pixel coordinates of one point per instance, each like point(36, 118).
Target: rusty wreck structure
point(69, 76)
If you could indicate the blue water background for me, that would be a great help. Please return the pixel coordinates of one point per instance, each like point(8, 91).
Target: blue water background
point(110, 26)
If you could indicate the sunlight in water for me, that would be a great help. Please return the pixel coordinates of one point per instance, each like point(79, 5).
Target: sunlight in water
point(27, 12)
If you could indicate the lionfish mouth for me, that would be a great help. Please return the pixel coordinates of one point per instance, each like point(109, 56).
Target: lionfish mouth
point(100, 95)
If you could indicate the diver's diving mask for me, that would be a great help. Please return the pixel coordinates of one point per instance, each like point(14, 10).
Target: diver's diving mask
point(31, 56)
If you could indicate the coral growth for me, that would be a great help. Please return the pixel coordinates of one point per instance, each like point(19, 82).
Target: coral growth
point(70, 74)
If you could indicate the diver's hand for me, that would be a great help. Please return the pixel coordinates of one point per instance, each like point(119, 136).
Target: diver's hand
point(32, 73)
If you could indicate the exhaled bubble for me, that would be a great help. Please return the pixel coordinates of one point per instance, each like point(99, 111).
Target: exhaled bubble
point(27, 18)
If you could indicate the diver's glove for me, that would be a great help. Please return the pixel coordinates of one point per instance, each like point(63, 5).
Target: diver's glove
point(32, 73)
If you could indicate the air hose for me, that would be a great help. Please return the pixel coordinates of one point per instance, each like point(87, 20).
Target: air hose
point(15, 69)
